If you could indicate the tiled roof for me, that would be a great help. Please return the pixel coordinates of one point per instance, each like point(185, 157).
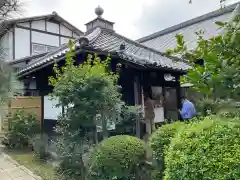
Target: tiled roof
point(109, 41)
point(28, 58)
point(165, 39)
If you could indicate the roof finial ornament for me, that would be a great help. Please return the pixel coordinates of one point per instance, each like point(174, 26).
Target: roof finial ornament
point(99, 11)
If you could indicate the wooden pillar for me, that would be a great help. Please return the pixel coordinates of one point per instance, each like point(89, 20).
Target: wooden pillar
point(164, 102)
point(178, 93)
point(42, 114)
point(137, 100)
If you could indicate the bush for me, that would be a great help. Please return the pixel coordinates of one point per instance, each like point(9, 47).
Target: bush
point(22, 127)
point(226, 107)
point(208, 149)
point(159, 141)
point(127, 121)
point(119, 157)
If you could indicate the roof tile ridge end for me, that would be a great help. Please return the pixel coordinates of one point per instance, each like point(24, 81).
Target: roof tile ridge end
point(93, 36)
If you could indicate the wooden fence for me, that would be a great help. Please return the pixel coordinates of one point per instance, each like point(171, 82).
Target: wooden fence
point(30, 104)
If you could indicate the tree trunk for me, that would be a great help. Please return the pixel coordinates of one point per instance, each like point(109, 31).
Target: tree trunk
point(104, 127)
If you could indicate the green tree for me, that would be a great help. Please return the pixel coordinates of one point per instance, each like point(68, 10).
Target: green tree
point(9, 85)
point(10, 7)
point(215, 62)
point(90, 96)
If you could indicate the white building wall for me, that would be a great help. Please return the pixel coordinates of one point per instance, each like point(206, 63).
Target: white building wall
point(46, 39)
point(10, 42)
point(25, 24)
point(65, 31)
point(23, 38)
point(53, 27)
point(75, 35)
point(22, 43)
point(38, 25)
point(50, 110)
point(64, 40)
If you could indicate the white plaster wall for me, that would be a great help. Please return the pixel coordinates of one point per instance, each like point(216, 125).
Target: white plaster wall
point(53, 27)
point(22, 43)
point(25, 24)
point(50, 111)
point(10, 42)
point(75, 35)
point(45, 39)
point(65, 31)
point(64, 40)
point(39, 25)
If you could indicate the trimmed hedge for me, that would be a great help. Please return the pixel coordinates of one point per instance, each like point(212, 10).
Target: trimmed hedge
point(159, 141)
point(209, 149)
point(118, 157)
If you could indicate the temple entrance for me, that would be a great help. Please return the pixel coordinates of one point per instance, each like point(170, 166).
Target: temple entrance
point(158, 99)
point(170, 104)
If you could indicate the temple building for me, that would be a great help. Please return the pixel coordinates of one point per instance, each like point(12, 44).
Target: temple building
point(144, 65)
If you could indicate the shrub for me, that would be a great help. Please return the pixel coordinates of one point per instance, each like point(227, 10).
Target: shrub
point(159, 141)
point(208, 149)
point(226, 107)
point(118, 157)
point(22, 126)
point(127, 121)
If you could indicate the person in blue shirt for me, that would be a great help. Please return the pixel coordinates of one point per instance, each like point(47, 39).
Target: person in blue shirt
point(188, 110)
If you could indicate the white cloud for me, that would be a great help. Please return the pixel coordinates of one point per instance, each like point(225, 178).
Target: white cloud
point(133, 18)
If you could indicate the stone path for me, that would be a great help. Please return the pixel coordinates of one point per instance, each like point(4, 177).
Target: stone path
point(11, 170)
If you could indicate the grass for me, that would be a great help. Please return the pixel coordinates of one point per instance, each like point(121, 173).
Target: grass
point(26, 158)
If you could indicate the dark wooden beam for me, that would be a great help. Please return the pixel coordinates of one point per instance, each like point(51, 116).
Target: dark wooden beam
point(59, 26)
point(45, 24)
point(178, 93)
point(136, 95)
point(41, 31)
point(14, 34)
point(30, 32)
point(42, 114)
